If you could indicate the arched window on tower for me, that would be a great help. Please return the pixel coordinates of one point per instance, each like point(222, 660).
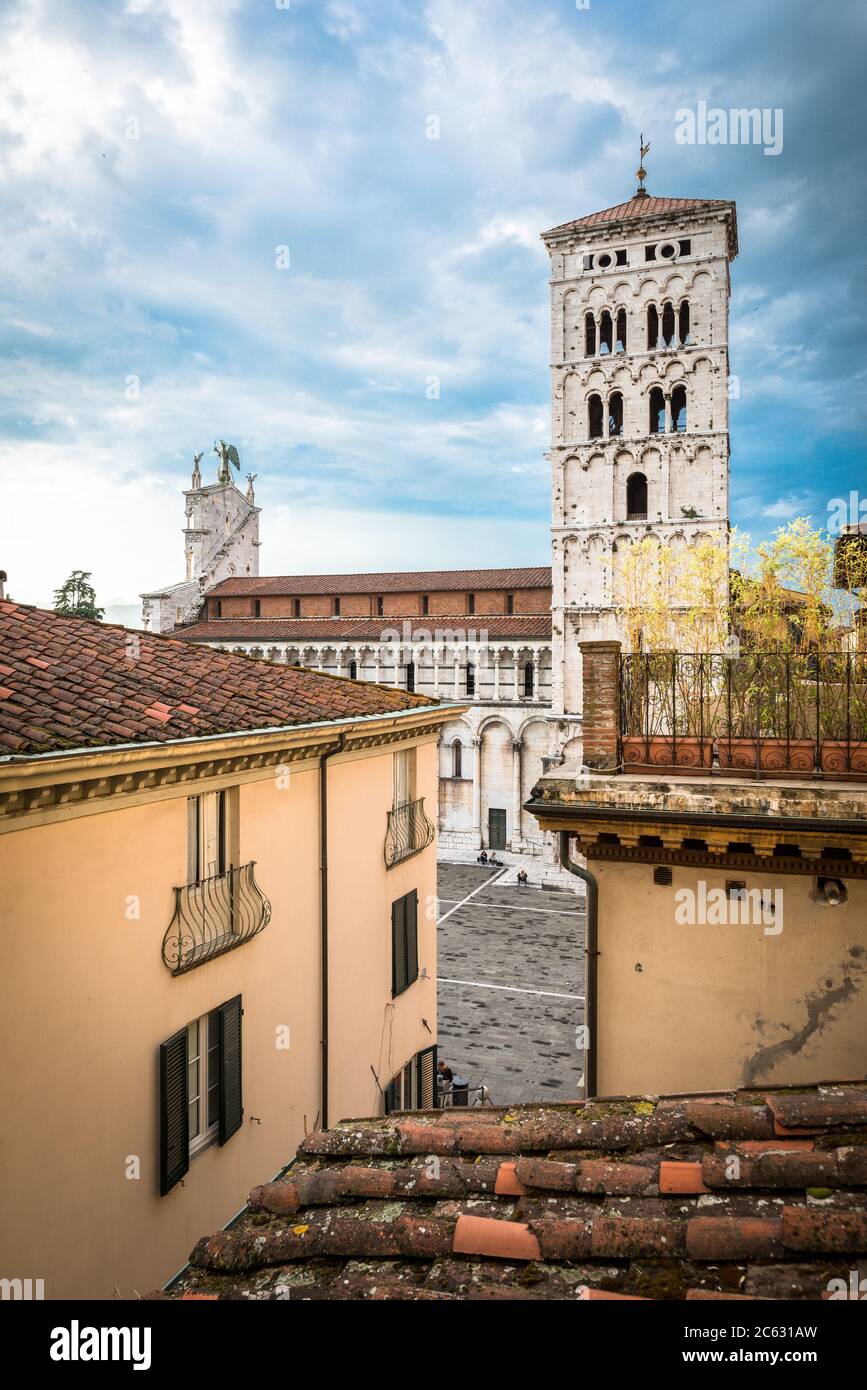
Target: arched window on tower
point(528, 680)
point(615, 414)
point(471, 678)
point(652, 327)
point(657, 411)
point(594, 410)
point(457, 758)
point(668, 324)
point(683, 322)
point(621, 330)
point(678, 409)
point(589, 335)
point(606, 333)
point(636, 497)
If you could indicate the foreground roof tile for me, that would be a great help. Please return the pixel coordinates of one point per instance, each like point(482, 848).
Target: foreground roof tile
point(626, 1198)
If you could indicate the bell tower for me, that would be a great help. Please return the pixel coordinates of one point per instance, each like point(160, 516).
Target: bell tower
point(640, 389)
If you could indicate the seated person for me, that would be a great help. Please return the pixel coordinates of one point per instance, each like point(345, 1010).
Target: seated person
point(522, 877)
point(483, 858)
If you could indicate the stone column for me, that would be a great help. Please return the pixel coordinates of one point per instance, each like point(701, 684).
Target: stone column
point(435, 658)
point(497, 673)
point(477, 792)
point(537, 693)
point(601, 682)
point(516, 793)
point(376, 665)
point(516, 664)
point(457, 661)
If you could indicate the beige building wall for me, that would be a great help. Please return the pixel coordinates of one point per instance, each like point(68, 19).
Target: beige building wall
point(88, 1001)
point(686, 1008)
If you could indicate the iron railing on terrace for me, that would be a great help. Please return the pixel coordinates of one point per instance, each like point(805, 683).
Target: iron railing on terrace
point(761, 712)
point(408, 831)
point(215, 915)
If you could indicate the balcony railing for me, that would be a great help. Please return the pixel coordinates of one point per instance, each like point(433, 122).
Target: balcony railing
point(213, 916)
point(408, 831)
point(762, 712)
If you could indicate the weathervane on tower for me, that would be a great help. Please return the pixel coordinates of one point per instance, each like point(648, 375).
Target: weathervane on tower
point(641, 172)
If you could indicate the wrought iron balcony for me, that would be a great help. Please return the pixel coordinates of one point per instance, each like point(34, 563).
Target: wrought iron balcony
point(778, 714)
point(408, 831)
point(213, 916)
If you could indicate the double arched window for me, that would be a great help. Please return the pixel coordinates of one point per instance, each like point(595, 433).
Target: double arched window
point(596, 416)
point(656, 405)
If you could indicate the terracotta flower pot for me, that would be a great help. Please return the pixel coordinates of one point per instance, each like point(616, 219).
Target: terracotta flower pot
point(835, 758)
point(798, 755)
point(662, 751)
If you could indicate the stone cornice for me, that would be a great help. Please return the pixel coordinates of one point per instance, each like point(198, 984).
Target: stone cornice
point(36, 790)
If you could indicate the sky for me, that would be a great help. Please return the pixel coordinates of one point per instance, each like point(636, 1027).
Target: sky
point(229, 220)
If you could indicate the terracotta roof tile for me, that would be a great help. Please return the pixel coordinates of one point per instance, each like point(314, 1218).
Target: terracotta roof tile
point(444, 1204)
point(388, 582)
point(84, 690)
point(642, 208)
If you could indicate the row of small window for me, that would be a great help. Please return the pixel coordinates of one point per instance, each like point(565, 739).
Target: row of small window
point(657, 412)
point(663, 251)
point(663, 330)
point(409, 676)
point(379, 605)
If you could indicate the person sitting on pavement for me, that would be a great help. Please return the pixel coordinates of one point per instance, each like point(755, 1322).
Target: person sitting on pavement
point(483, 858)
point(522, 877)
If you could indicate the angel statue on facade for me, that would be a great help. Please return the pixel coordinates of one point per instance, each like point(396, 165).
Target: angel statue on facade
point(228, 460)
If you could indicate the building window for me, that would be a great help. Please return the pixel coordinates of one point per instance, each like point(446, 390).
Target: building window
point(297, 608)
point(685, 248)
point(218, 608)
point(353, 670)
point(410, 676)
point(529, 682)
point(652, 327)
point(207, 836)
point(336, 608)
point(615, 414)
point(414, 1087)
point(594, 411)
point(457, 758)
point(471, 678)
point(257, 608)
point(404, 942)
point(606, 333)
point(620, 344)
point(683, 321)
point(678, 409)
point(425, 605)
point(510, 604)
point(668, 334)
point(636, 497)
point(380, 606)
point(200, 1089)
point(471, 603)
point(404, 777)
point(657, 411)
point(589, 335)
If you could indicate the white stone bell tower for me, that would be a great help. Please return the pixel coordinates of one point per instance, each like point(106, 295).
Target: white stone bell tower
point(640, 391)
point(221, 540)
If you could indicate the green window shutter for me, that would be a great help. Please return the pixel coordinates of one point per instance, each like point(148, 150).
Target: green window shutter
point(231, 1105)
point(174, 1112)
point(411, 919)
point(398, 946)
point(426, 1085)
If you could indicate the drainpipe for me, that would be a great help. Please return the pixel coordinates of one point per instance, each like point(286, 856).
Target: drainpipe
point(323, 912)
point(591, 956)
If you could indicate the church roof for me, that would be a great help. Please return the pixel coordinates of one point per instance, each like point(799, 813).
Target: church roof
point(69, 683)
point(387, 582)
point(645, 208)
point(740, 1194)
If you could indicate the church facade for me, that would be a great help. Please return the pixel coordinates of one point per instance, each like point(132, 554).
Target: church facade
point(639, 449)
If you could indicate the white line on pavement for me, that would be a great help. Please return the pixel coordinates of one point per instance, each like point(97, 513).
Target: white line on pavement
point(474, 892)
point(511, 989)
point(507, 907)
